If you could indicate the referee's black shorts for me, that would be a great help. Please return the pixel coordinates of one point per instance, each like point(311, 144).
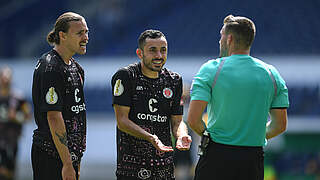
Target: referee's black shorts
point(46, 167)
point(226, 162)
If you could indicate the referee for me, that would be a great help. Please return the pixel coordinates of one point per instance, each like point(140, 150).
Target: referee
point(239, 91)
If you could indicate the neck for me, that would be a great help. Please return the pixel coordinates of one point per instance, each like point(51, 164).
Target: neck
point(240, 51)
point(149, 73)
point(63, 52)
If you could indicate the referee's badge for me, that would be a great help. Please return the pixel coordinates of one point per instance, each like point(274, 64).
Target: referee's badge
point(118, 88)
point(167, 93)
point(51, 96)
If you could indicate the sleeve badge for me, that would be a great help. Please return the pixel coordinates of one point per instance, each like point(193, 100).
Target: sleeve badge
point(118, 88)
point(51, 96)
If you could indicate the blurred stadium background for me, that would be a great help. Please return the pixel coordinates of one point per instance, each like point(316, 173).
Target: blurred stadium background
point(287, 36)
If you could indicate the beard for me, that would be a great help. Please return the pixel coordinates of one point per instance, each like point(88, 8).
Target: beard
point(148, 65)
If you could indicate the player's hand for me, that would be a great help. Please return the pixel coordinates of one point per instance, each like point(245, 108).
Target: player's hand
point(68, 172)
point(155, 141)
point(183, 142)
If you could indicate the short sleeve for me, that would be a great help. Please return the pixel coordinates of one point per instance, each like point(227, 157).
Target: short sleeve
point(281, 100)
point(201, 84)
point(121, 88)
point(52, 91)
point(177, 108)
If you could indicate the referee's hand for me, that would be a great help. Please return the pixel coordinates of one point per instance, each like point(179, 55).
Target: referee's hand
point(156, 142)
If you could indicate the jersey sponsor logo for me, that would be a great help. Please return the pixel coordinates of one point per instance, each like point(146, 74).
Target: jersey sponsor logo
point(78, 108)
point(118, 88)
point(150, 117)
point(167, 93)
point(144, 173)
point(51, 96)
point(76, 98)
point(151, 103)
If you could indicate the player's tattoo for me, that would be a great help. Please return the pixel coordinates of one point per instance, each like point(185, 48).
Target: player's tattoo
point(62, 138)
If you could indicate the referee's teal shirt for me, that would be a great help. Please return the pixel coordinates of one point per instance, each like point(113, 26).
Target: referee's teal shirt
point(240, 100)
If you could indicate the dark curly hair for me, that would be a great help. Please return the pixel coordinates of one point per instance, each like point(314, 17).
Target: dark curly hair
point(153, 34)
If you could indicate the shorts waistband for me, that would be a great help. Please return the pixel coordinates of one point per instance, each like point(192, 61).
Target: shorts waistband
point(236, 146)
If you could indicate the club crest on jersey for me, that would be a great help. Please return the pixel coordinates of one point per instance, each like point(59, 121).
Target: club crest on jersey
point(118, 88)
point(167, 93)
point(51, 96)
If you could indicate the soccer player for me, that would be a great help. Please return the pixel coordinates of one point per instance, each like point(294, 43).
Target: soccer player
point(239, 91)
point(14, 111)
point(59, 107)
point(147, 106)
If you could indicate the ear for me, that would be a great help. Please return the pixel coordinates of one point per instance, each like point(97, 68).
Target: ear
point(139, 53)
point(62, 35)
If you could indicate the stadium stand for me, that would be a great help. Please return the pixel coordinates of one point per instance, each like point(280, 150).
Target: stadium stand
point(283, 27)
point(192, 29)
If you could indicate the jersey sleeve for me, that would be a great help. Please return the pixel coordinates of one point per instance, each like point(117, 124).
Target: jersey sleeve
point(281, 100)
point(52, 91)
point(201, 84)
point(177, 107)
point(121, 88)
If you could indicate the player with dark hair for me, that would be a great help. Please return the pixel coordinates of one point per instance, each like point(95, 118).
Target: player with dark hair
point(59, 107)
point(14, 111)
point(148, 108)
point(238, 91)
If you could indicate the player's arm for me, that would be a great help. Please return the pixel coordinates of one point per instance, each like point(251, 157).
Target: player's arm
point(180, 132)
point(278, 123)
point(59, 136)
point(129, 127)
point(196, 109)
